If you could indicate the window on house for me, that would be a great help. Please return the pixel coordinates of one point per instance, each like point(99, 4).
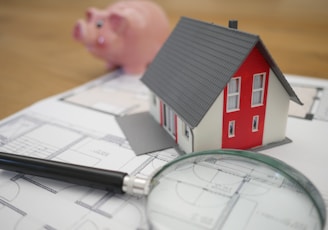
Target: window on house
point(186, 130)
point(169, 119)
point(255, 123)
point(258, 89)
point(233, 94)
point(164, 115)
point(154, 99)
point(231, 129)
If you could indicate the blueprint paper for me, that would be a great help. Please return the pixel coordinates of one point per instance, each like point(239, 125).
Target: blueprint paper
point(92, 140)
point(124, 94)
point(322, 113)
point(314, 93)
point(57, 130)
point(308, 151)
point(67, 128)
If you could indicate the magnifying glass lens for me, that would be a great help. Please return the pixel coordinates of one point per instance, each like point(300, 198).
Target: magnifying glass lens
point(228, 191)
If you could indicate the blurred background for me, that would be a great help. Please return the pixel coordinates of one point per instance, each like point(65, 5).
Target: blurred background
point(39, 58)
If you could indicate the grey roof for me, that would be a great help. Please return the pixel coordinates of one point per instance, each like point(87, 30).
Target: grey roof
point(196, 63)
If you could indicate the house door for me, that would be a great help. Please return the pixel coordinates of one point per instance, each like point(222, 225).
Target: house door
point(169, 120)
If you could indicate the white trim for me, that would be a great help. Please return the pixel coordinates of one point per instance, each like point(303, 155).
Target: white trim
point(234, 94)
point(256, 119)
point(186, 130)
point(261, 89)
point(231, 128)
point(154, 99)
point(169, 120)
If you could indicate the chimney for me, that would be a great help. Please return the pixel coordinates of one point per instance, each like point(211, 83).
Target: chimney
point(233, 24)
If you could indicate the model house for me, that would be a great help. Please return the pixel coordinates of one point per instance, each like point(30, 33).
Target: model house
point(217, 87)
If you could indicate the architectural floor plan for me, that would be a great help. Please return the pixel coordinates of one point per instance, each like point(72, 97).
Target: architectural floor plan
point(79, 127)
point(57, 130)
point(228, 193)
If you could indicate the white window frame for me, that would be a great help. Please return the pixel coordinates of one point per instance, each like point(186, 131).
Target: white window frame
point(154, 99)
point(258, 90)
point(231, 128)
point(169, 119)
point(234, 95)
point(186, 130)
point(255, 120)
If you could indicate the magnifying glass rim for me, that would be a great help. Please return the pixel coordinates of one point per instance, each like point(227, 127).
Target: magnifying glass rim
point(279, 165)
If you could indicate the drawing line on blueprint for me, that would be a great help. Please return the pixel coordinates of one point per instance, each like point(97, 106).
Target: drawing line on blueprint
point(102, 96)
point(230, 190)
point(12, 207)
point(25, 143)
point(315, 99)
point(24, 125)
point(70, 144)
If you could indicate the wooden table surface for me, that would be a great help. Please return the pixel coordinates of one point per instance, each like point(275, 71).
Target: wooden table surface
point(39, 58)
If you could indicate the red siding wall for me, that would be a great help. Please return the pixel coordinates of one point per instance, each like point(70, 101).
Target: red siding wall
point(244, 137)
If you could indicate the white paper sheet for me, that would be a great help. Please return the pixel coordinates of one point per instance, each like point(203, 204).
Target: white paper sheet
point(68, 128)
point(57, 130)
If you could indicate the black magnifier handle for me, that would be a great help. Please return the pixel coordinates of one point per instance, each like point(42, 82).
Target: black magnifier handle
point(114, 181)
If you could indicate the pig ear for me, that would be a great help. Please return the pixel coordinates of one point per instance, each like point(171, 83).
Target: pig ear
point(90, 13)
point(118, 22)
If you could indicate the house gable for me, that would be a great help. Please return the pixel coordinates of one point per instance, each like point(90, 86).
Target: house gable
point(281, 78)
point(245, 135)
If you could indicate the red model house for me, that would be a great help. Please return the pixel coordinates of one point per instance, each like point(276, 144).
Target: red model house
point(217, 87)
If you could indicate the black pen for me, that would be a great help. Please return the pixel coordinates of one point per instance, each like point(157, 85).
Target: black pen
point(115, 181)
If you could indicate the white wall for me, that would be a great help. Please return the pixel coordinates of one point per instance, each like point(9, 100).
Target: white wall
point(208, 134)
point(154, 108)
point(276, 112)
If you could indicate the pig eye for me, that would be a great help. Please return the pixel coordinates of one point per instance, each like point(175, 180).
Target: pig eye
point(100, 23)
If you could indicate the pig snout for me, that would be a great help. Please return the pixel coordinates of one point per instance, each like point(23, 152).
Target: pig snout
point(78, 30)
point(86, 36)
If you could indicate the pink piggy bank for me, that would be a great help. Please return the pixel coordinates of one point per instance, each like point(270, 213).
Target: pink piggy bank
point(128, 34)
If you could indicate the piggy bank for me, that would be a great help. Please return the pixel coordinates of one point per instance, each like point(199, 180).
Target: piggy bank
point(127, 34)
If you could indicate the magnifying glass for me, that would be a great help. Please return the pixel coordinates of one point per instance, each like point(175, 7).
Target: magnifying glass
point(219, 189)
